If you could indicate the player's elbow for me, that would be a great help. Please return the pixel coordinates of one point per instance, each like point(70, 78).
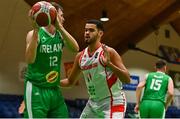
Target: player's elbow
point(29, 57)
point(75, 49)
point(170, 93)
point(138, 87)
point(29, 61)
point(127, 78)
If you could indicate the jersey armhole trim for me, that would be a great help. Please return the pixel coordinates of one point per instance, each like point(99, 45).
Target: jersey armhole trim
point(80, 58)
point(100, 58)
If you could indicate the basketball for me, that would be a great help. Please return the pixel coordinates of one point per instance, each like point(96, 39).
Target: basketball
point(43, 13)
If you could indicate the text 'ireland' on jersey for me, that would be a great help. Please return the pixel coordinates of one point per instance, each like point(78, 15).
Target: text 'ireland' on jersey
point(45, 71)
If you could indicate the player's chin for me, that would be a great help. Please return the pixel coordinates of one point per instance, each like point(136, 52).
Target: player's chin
point(61, 21)
point(87, 41)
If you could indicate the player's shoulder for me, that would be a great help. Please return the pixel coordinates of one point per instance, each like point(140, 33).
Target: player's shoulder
point(111, 50)
point(79, 54)
point(30, 32)
point(169, 77)
point(153, 73)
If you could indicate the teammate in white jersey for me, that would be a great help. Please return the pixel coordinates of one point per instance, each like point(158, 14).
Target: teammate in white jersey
point(103, 72)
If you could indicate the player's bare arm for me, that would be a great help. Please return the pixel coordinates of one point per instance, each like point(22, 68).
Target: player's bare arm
point(138, 94)
point(73, 77)
point(170, 93)
point(31, 41)
point(31, 46)
point(114, 61)
point(68, 39)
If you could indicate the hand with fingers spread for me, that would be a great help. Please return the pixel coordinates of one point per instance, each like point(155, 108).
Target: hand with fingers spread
point(106, 58)
point(68, 38)
point(59, 21)
point(103, 70)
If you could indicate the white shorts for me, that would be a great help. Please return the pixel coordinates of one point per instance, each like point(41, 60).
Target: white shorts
point(104, 109)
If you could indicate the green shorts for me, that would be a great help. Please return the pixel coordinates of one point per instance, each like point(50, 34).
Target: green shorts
point(44, 102)
point(152, 109)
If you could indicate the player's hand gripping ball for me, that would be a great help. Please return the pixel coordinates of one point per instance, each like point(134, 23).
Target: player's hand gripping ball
point(43, 13)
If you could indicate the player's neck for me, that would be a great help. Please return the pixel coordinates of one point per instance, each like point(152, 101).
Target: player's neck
point(93, 47)
point(161, 70)
point(51, 29)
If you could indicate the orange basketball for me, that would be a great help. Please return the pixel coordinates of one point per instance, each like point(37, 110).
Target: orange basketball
point(44, 13)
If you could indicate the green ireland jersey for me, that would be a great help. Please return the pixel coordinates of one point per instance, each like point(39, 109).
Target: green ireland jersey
point(156, 86)
point(45, 71)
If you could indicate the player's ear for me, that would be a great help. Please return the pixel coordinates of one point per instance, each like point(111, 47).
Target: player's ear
point(101, 33)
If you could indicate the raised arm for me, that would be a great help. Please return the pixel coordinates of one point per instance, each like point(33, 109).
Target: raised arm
point(73, 77)
point(31, 46)
point(113, 60)
point(68, 39)
point(31, 41)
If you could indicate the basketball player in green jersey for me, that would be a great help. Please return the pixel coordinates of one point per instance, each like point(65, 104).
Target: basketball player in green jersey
point(104, 73)
point(156, 86)
point(43, 98)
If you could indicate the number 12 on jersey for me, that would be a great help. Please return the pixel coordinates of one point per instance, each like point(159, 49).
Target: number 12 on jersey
point(53, 61)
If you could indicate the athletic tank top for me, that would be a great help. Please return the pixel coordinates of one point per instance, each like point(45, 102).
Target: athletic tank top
point(45, 71)
point(101, 82)
point(156, 86)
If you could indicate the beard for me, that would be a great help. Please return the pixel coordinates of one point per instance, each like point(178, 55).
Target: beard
point(89, 40)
